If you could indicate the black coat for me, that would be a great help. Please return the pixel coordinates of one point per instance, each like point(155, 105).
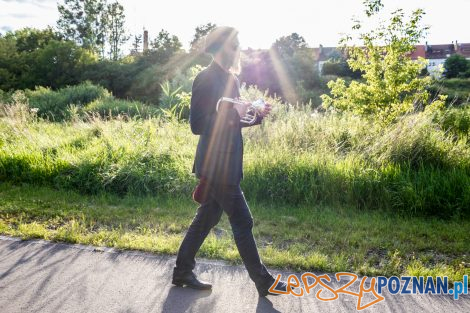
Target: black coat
point(219, 153)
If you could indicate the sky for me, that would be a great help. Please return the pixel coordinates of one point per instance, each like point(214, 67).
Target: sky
point(259, 23)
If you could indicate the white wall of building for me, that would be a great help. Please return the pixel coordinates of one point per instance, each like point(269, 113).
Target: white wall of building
point(435, 67)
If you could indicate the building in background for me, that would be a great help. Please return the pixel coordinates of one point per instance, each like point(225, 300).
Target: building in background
point(435, 54)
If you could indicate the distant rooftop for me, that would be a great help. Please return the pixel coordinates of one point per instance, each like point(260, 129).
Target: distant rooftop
point(427, 51)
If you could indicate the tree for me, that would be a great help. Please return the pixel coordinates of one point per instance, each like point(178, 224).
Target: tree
point(30, 39)
point(84, 21)
point(136, 44)
point(11, 65)
point(292, 77)
point(117, 77)
point(16, 55)
point(391, 84)
point(116, 33)
point(257, 69)
point(59, 63)
point(456, 66)
point(166, 44)
point(288, 45)
point(31, 57)
point(154, 66)
point(338, 65)
point(291, 66)
point(201, 31)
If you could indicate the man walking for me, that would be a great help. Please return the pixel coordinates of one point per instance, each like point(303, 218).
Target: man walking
point(219, 164)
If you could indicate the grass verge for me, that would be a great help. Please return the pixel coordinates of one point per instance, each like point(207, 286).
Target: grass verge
point(307, 237)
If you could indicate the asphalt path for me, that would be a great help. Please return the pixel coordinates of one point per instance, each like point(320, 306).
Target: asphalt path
point(42, 276)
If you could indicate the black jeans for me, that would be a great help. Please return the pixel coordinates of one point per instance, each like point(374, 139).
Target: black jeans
point(228, 198)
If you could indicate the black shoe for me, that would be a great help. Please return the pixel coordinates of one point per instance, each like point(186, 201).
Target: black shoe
point(280, 286)
point(191, 281)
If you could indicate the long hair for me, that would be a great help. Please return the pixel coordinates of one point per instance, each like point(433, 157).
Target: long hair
point(217, 39)
point(236, 68)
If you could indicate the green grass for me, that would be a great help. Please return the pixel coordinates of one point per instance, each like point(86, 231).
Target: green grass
point(457, 90)
point(414, 167)
point(304, 237)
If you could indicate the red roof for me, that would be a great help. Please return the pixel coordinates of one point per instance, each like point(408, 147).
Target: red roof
point(464, 49)
point(419, 51)
point(441, 51)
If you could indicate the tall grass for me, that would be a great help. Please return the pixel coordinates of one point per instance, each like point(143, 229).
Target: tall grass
point(109, 107)
point(417, 166)
point(457, 90)
point(412, 167)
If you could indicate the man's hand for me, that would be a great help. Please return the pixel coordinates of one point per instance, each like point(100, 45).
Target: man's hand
point(267, 109)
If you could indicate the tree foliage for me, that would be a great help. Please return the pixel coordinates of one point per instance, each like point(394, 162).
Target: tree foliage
point(165, 45)
point(94, 24)
point(31, 57)
point(391, 83)
point(201, 31)
point(456, 66)
point(30, 39)
point(84, 21)
point(136, 44)
point(339, 68)
point(286, 46)
point(116, 34)
point(286, 70)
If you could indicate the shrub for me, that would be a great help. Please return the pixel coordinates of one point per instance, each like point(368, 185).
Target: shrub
point(456, 66)
point(175, 97)
point(56, 104)
point(184, 80)
point(5, 97)
point(392, 84)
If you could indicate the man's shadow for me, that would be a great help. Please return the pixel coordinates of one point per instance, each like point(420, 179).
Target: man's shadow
point(265, 306)
point(179, 299)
